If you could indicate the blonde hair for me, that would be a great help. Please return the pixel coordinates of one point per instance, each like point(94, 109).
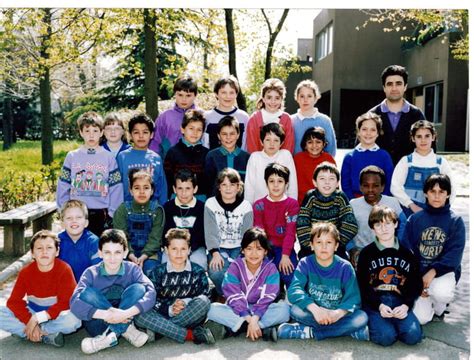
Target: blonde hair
point(74, 204)
point(310, 84)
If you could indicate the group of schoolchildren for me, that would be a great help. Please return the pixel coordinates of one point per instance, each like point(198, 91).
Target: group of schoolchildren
point(155, 230)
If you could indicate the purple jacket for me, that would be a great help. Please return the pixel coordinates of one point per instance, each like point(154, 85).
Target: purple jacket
point(254, 298)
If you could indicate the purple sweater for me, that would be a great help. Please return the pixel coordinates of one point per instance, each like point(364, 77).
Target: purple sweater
point(260, 293)
point(167, 129)
point(93, 178)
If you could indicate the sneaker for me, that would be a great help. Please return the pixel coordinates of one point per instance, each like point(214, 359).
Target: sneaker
point(203, 335)
point(55, 339)
point(270, 334)
point(294, 331)
point(134, 336)
point(361, 334)
point(92, 345)
point(151, 335)
point(217, 330)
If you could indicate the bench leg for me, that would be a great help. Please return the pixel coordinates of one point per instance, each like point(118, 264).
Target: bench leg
point(14, 240)
point(43, 223)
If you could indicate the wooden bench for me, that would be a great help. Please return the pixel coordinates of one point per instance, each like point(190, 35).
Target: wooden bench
point(17, 220)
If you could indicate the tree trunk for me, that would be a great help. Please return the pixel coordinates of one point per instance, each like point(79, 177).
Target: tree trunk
point(7, 122)
point(45, 96)
point(150, 70)
point(271, 42)
point(229, 25)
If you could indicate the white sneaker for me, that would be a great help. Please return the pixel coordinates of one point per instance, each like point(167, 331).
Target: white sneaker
point(92, 345)
point(134, 336)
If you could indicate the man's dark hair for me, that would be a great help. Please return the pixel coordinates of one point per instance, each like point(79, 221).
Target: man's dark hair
point(394, 70)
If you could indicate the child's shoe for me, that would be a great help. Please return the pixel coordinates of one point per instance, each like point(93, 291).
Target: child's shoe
point(151, 335)
point(55, 339)
point(203, 335)
point(270, 334)
point(92, 345)
point(134, 336)
point(217, 330)
point(361, 334)
point(294, 331)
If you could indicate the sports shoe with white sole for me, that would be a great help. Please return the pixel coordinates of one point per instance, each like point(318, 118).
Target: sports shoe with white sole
point(103, 341)
point(55, 339)
point(134, 336)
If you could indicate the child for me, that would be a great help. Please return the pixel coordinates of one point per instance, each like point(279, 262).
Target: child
point(389, 281)
point(142, 220)
point(79, 247)
point(251, 285)
point(187, 212)
point(90, 174)
point(181, 300)
point(412, 170)
point(313, 154)
point(306, 95)
point(115, 139)
point(324, 294)
point(372, 183)
point(139, 156)
point(226, 218)
point(168, 123)
point(276, 213)
point(367, 152)
point(272, 137)
point(47, 283)
point(226, 89)
point(437, 237)
point(189, 153)
point(228, 154)
point(270, 110)
point(110, 294)
point(325, 203)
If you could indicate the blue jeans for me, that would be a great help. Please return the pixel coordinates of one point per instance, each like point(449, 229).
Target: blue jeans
point(275, 257)
point(95, 298)
point(217, 276)
point(386, 331)
point(348, 324)
point(277, 313)
point(65, 323)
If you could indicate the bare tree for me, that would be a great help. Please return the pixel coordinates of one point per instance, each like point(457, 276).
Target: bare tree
point(271, 42)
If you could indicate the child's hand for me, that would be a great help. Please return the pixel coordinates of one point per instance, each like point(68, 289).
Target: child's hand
point(253, 330)
point(32, 330)
point(354, 255)
point(116, 316)
point(217, 262)
point(178, 306)
point(141, 260)
point(336, 315)
point(415, 208)
point(400, 312)
point(427, 279)
point(286, 266)
point(385, 311)
point(321, 315)
point(133, 258)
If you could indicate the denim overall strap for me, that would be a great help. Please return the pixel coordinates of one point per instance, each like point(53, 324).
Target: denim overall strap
point(139, 226)
point(416, 178)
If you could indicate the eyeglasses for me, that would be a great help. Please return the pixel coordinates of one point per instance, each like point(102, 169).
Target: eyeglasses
point(113, 128)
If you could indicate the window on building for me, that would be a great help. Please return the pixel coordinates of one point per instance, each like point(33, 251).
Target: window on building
point(433, 95)
point(324, 42)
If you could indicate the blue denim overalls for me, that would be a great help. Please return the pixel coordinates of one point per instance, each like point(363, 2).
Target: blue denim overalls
point(416, 178)
point(139, 226)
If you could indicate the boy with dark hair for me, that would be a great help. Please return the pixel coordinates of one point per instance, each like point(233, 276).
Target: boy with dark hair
point(226, 90)
point(437, 236)
point(324, 294)
point(79, 247)
point(90, 174)
point(187, 212)
point(189, 153)
point(168, 123)
point(397, 113)
point(229, 154)
point(47, 283)
point(389, 282)
point(372, 182)
point(182, 295)
point(325, 203)
point(110, 294)
point(140, 157)
point(276, 213)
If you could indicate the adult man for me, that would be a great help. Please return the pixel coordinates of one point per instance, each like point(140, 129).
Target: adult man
point(397, 113)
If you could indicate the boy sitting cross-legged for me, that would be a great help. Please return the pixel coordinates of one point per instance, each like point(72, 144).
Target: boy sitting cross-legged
point(324, 293)
point(48, 284)
point(110, 294)
point(79, 246)
point(182, 290)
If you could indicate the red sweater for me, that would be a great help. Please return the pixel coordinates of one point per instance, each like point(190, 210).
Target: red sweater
point(253, 132)
point(48, 291)
point(305, 165)
point(278, 219)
